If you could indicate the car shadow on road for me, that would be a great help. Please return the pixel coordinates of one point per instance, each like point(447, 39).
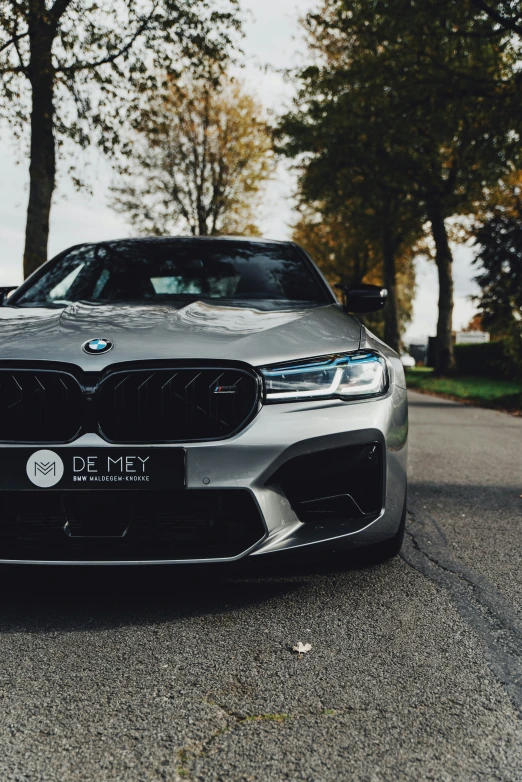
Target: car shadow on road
point(68, 599)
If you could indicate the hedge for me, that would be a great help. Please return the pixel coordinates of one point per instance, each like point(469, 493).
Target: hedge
point(488, 359)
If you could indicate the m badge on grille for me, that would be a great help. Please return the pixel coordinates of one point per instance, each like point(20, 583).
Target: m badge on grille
point(225, 389)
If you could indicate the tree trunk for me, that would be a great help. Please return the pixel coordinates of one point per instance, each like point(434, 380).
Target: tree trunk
point(444, 355)
point(42, 167)
point(392, 329)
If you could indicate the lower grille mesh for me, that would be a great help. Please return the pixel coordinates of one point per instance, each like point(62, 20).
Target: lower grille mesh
point(128, 526)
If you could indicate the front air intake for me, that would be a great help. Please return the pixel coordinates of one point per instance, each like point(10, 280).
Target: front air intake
point(336, 486)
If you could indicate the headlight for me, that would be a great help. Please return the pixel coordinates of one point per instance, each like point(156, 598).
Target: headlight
point(355, 375)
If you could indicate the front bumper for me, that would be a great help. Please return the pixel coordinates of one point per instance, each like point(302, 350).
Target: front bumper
point(278, 435)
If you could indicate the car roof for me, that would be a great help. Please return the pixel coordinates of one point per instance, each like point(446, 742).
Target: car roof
point(194, 240)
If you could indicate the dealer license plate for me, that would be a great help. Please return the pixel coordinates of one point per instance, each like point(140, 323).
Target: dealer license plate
point(92, 468)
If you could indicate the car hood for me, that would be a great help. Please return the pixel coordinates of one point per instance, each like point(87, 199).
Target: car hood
point(196, 331)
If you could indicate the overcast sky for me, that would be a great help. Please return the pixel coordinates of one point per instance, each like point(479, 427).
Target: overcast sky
point(273, 39)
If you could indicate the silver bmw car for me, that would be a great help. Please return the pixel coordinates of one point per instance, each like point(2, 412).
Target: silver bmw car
point(189, 400)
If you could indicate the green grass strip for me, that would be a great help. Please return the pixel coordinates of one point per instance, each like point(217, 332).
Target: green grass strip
point(501, 394)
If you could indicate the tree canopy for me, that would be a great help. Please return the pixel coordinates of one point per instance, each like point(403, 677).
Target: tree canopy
point(499, 257)
point(74, 66)
point(412, 106)
point(199, 155)
point(346, 252)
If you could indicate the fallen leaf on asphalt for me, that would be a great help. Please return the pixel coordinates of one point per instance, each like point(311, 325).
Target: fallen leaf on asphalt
point(301, 648)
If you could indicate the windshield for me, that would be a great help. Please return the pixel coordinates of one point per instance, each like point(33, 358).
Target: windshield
point(159, 270)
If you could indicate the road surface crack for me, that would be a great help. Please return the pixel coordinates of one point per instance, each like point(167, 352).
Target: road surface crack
point(189, 755)
point(478, 602)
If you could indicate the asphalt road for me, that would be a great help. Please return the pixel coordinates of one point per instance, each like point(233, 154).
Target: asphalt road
point(415, 671)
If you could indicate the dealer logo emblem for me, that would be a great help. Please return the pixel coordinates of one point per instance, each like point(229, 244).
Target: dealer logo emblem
point(96, 346)
point(44, 469)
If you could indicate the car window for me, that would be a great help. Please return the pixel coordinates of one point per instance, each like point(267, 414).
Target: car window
point(163, 269)
point(62, 288)
point(226, 286)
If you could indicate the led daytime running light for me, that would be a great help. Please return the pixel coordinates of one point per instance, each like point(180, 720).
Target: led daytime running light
point(338, 376)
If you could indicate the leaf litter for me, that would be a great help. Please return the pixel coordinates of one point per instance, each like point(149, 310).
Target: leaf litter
point(301, 648)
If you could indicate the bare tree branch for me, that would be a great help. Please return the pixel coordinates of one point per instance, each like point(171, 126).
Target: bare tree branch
point(14, 40)
point(110, 58)
point(23, 67)
point(58, 9)
point(13, 69)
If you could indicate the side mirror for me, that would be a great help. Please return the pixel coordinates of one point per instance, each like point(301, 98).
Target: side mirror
point(4, 293)
point(363, 298)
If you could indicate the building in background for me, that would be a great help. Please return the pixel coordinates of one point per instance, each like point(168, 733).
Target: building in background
point(471, 337)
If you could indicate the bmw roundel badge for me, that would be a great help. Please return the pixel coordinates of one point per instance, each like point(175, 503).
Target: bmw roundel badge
point(96, 346)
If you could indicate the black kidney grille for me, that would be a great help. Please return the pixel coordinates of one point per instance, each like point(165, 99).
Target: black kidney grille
point(39, 406)
point(178, 404)
point(143, 405)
